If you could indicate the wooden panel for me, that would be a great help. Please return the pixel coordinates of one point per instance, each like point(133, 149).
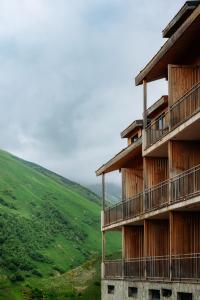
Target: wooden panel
point(156, 170)
point(184, 155)
point(181, 79)
point(185, 233)
point(157, 237)
point(133, 178)
point(134, 241)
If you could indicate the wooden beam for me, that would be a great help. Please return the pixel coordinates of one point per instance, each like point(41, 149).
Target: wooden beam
point(145, 103)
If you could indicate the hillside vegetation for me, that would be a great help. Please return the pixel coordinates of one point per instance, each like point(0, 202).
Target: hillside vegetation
point(48, 225)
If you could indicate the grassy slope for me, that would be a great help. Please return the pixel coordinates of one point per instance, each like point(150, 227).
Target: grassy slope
point(48, 223)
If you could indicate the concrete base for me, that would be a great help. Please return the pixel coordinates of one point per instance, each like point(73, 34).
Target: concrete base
point(143, 290)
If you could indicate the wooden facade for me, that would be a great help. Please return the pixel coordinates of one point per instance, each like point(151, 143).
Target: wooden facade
point(159, 214)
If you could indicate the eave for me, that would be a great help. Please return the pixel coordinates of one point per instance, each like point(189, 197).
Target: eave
point(180, 18)
point(175, 51)
point(136, 124)
point(158, 105)
point(119, 161)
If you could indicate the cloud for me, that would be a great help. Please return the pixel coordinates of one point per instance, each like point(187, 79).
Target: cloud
point(67, 77)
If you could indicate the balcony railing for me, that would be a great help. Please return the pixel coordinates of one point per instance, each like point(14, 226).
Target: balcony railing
point(133, 206)
point(113, 214)
point(157, 129)
point(186, 185)
point(157, 196)
point(124, 210)
point(179, 188)
point(177, 268)
point(113, 269)
point(186, 267)
point(158, 267)
point(185, 107)
point(179, 112)
point(134, 268)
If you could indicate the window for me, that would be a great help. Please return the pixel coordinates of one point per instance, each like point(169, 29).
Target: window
point(132, 291)
point(160, 123)
point(184, 296)
point(166, 293)
point(111, 289)
point(154, 294)
point(134, 138)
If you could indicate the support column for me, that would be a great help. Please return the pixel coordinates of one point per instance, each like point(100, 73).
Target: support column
point(170, 242)
point(145, 247)
point(103, 191)
point(170, 169)
point(145, 103)
point(123, 251)
point(103, 254)
point(144, 136)
point(144, 183)
point(103, 232)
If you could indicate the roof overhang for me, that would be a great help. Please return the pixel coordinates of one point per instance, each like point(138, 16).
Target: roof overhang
point(132, 127)
point(180, 18)
point(122, 158)
point(158, 105)
point(177, 50)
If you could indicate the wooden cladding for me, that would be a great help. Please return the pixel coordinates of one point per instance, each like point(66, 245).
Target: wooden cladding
point(157, 237)
point(181, 80)
point(186, 233)
point(156, 170)
point(132, 178)
point(184, 155)
point(134, 241)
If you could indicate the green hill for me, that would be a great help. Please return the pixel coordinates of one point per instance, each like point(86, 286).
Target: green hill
point(48, 224)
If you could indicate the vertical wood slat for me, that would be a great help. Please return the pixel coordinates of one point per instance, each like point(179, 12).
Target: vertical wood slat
point(180, 80)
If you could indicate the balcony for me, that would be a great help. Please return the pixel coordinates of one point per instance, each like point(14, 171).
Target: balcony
point(186, 107)
point(179, 188)
point(178, 268)
point(124, 210)
point(157, 129)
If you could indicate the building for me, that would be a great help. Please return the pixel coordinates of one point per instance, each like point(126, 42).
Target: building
point(159, 215)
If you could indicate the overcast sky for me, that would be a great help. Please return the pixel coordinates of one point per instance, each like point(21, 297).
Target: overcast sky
point(67, 73)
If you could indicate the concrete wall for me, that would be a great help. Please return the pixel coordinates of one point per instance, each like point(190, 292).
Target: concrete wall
point(121, 290)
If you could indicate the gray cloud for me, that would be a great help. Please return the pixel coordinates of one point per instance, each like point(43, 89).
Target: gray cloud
point(67, 77)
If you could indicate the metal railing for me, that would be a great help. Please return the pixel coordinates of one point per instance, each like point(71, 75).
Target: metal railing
point(185, 185)
point(178, 268)
point(157, 196)
point(157, 129)
point(133, 207)
point(158, 267)
point(186, 267)
point(113, 214)
point(124, 210)
point(187, 106)
point(134, 268)
point(179, 188)
point(113, 269)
